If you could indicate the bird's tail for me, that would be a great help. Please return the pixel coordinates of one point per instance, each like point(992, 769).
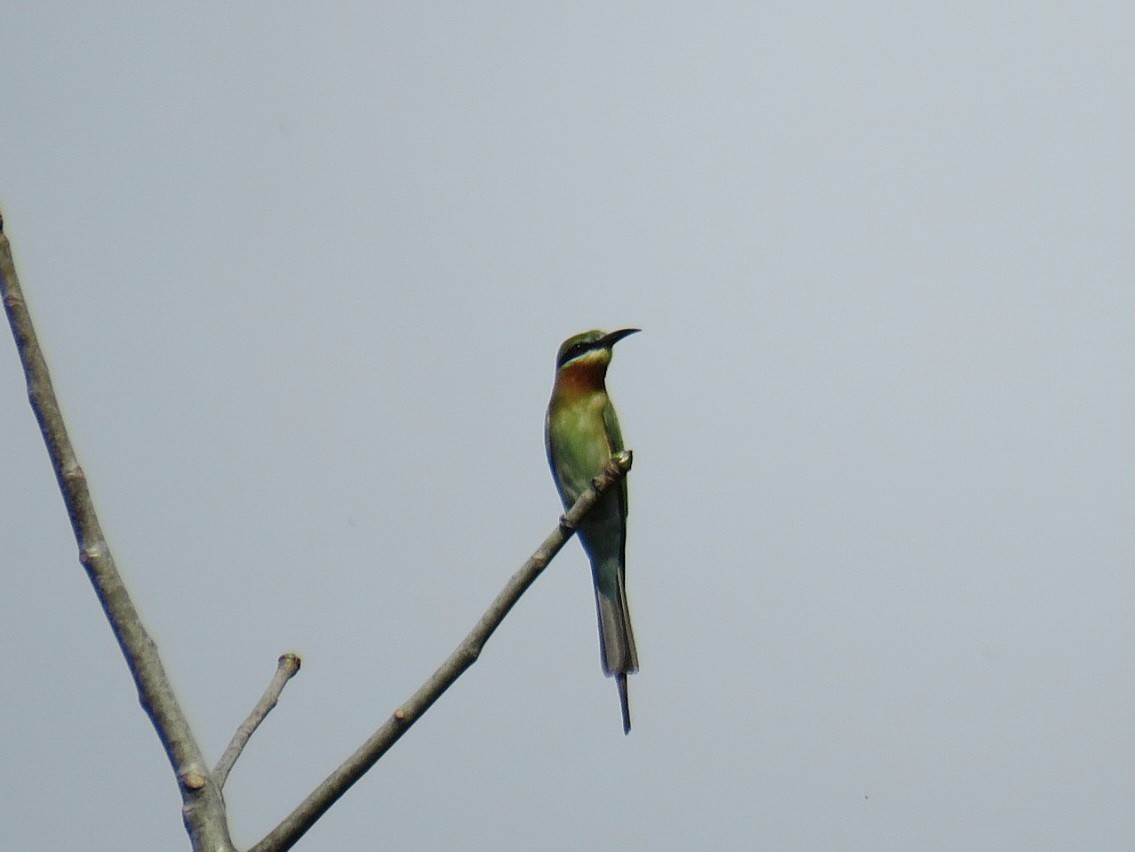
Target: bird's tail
point(616, 640)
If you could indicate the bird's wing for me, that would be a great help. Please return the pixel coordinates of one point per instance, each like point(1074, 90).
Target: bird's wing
point(615, 442)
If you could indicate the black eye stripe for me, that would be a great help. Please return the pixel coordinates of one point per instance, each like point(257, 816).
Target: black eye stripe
point(575, 350)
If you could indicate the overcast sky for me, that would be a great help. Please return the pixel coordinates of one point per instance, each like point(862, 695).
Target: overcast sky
point(301, 272)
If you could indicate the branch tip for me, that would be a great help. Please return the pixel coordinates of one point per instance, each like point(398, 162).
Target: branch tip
point(620, 462)
point(286, 667)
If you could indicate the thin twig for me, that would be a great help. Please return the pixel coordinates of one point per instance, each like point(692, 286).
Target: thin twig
point(286, 667)
point(289, 831)
point(203, 809)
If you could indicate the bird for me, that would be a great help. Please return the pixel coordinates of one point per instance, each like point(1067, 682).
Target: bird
point(581, 433)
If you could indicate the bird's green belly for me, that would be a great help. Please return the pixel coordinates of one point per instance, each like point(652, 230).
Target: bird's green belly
point(579, 458)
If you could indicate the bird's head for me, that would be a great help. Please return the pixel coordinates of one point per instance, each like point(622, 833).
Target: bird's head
point(581, 363)
point(591, 348)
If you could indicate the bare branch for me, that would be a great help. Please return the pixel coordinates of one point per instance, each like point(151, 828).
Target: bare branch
point(203, 809)
point(203, 806)
point(286, 667)
point(289, 831)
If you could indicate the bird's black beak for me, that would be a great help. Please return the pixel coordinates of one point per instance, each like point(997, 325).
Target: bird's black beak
point(611, 338)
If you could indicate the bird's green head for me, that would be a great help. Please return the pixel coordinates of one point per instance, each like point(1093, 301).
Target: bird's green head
point(590, 348)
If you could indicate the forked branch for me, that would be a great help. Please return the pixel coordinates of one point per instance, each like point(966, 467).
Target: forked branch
point(202, 806)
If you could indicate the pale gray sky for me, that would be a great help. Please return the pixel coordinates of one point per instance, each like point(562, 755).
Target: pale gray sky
point(301, 273)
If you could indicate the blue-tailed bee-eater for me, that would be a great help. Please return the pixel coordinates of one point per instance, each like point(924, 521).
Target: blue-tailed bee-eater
point(581, 432)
